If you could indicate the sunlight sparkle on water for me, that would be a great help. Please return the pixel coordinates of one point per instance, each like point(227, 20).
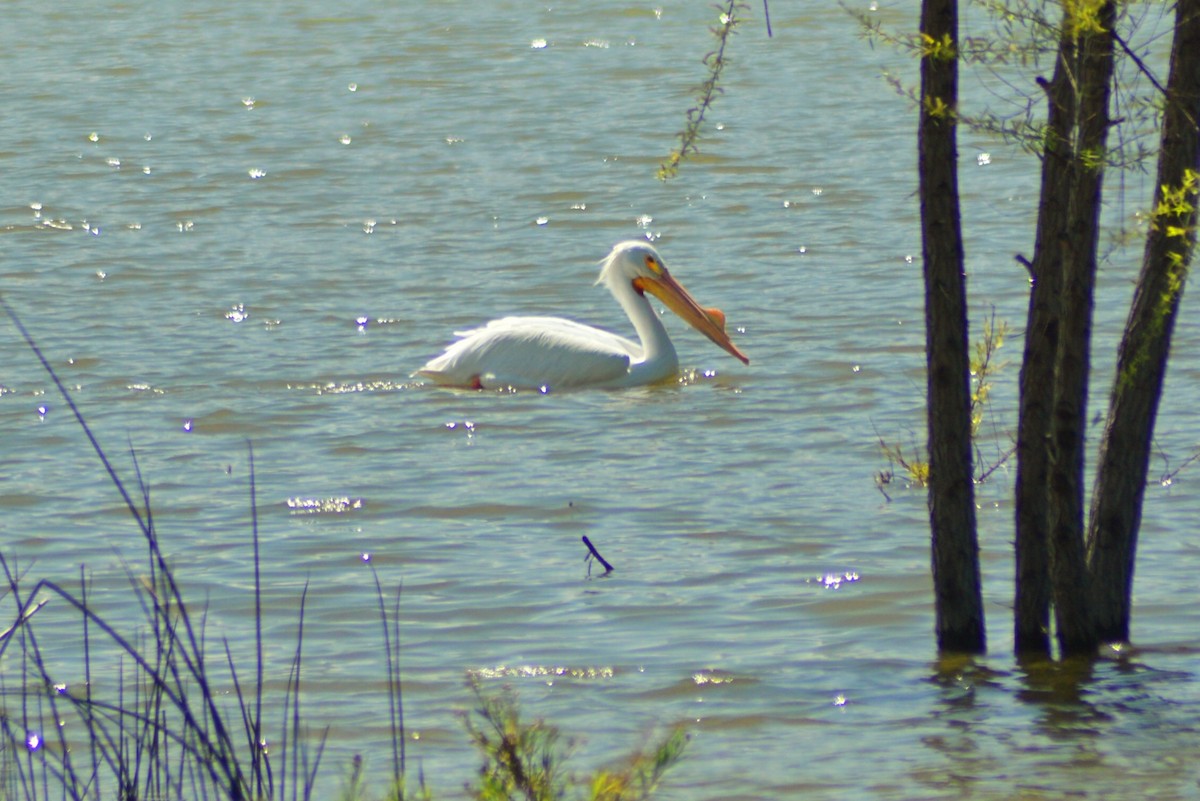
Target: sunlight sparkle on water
point(541, 671)
point(711, 677)
point(359, 386)
point(538, 44)
point(314, 506)
point(834, 581)
point(467, 426)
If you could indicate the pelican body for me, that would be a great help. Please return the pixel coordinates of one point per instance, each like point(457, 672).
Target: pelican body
point(550, 352)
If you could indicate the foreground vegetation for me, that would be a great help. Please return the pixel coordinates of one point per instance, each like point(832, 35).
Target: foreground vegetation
point(151, 712)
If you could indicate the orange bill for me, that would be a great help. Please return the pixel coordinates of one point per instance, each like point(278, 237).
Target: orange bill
point(710, 322)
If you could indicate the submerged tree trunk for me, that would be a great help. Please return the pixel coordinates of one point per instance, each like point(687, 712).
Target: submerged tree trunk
point(1070, 579)
point(1051, 563)
point(1142, 357)
point(957, 592)
point(1031, 610)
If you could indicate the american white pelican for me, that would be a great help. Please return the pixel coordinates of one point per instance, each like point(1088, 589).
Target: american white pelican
point(550, 352)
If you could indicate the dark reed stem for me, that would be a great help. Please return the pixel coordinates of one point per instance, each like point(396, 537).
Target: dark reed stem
point(395, 707)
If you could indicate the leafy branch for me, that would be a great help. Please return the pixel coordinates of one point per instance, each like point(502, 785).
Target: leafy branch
point(715, 61)
point(912, 464)
point(525, 760)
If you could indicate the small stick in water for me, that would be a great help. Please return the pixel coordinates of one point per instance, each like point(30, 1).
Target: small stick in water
point(593, 552)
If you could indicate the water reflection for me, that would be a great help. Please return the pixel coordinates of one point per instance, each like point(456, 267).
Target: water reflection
point(1058, 690)
point(1072, 725)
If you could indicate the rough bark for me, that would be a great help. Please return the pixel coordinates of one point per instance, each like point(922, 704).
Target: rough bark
point(957, 592)
point(1070, 578)
point(1142, 357)
point(1031, 610)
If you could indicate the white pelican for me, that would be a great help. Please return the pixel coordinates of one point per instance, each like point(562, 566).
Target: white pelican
point(550, 352)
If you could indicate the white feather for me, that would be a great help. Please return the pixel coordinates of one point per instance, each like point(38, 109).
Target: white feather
point(551, 352)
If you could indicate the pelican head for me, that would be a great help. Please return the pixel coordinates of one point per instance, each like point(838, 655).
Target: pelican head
point(637, 265)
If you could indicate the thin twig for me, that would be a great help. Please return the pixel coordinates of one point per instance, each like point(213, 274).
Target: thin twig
point(1141, 65)
point(592, 548)
point(715, 61)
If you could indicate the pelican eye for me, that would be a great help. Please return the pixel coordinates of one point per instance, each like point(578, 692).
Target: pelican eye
point(653, 264)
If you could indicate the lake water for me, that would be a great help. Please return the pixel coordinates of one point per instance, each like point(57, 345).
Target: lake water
point(233, 223)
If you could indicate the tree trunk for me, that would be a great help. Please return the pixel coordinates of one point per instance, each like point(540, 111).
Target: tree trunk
point(957, 592)
point(1142, 356)
point(1031, 610)
point(1070, 579)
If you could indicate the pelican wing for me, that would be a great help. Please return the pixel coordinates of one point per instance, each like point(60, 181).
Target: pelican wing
point(533, 352)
